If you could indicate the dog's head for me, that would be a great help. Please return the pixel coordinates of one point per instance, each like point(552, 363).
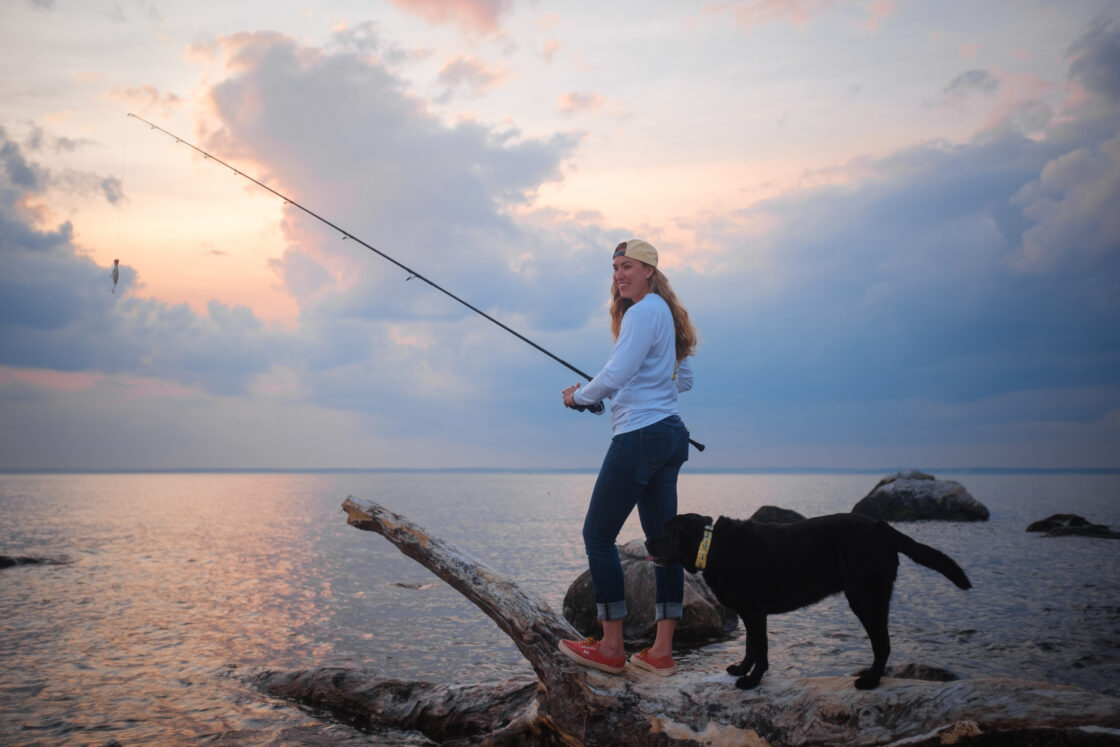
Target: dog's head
point(680, 541)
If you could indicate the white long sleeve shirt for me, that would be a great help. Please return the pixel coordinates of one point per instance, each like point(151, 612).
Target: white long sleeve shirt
point(639, 376)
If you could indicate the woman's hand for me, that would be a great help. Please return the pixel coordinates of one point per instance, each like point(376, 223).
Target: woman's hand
point(567, 396)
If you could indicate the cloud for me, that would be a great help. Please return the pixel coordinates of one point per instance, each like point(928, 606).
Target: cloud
point(436, 197)
point(39, 139)
point(474, 16)
point(1031, 116)
point(1095, 59)
point(968, 83)
point(469, 75)
point(551, 47)
point(147, 98)
point(939, 276)
point(1072, 205)
point(575, 103)
point(57, 312)
point(755, 13)
point(84, 183)
point(20, 175)
point(877, 11)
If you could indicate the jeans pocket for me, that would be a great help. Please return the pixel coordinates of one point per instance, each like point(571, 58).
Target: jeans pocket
point(657, 445)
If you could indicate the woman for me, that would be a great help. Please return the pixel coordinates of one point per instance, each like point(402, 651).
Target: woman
point(647, 368)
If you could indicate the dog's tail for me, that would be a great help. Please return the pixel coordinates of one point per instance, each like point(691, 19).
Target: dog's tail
point(929, 557)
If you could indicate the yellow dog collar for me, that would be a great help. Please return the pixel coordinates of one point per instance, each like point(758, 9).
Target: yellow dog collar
point(705, 545)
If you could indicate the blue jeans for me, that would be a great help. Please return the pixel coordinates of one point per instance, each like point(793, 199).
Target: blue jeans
point(641, 469)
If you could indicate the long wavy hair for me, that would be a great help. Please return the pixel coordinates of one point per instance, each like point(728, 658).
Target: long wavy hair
point(687, 338)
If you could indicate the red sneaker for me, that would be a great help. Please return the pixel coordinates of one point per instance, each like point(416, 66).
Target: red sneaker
point(663, 666)
point(586, 652)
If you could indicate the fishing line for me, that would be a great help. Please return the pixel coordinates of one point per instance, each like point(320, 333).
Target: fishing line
point(412, 274)
point(120, 189)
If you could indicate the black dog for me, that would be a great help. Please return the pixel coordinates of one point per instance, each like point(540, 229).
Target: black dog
point(759, 569)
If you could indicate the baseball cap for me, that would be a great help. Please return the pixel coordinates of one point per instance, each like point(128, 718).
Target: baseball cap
point(638, 249)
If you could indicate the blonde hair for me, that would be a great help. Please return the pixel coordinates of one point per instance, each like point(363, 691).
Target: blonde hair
point(686, 337)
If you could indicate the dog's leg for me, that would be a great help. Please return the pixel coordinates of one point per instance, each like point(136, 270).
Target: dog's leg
point(873, 613)
point(756, 651)
point(745, 665)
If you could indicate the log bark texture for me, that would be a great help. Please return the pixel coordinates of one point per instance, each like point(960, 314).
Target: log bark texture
point(571, 705)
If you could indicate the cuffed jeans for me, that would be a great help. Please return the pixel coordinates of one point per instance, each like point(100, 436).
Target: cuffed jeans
point(641, 469)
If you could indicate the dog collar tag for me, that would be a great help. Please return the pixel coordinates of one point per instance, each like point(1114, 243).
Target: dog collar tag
point(705, 545)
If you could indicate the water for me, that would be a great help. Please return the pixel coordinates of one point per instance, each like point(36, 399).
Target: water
point(181, 585)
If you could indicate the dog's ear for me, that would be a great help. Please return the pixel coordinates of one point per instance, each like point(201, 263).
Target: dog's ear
point(682, 528)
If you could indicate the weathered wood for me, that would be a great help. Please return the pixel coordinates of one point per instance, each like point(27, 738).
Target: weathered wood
point(441, 713)
point(573, 705)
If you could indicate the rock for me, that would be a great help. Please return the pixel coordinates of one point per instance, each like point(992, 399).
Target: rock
point(776, 515)
point(7, 561)
point(416, 586)
point(1072, 525)
point(1057, 520)
point(914, 496)
point(1093, 530)
point(703, 621)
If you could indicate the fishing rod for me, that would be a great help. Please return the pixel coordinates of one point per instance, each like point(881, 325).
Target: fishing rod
point(596, 408)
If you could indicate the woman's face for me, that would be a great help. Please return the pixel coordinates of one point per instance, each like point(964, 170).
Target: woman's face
point(631, 277)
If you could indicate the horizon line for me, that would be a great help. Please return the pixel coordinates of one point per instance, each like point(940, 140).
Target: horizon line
point(552, 470)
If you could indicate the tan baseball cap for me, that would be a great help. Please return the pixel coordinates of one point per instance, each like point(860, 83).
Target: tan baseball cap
point(638, 249)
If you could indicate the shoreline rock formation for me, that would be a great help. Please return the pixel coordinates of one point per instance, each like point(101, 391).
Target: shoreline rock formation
point(704, 621)
point(9, 561)
point(916, 496)
point(1072, 525)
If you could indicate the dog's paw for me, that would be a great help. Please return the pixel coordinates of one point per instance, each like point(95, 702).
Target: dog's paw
point(738, 670)
point(867, 682)
point(749, 682)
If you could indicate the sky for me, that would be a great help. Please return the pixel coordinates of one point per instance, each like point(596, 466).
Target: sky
point(894, 223)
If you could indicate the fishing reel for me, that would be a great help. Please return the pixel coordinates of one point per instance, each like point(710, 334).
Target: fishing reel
point(594, 409)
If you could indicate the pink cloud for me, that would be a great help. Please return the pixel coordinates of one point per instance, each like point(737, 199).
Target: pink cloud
point(877, 11)
point(146, 98)
point(573, 103)
point(474, 16)
point(59, 381)
point(760, 12)
point(551, 47)
point(471, 73)
point(1019, 93)
point(81, 381)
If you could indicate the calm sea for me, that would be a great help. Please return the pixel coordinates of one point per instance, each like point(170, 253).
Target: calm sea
point(179, 585)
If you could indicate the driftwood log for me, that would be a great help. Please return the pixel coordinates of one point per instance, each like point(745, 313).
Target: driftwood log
point(570, 705)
